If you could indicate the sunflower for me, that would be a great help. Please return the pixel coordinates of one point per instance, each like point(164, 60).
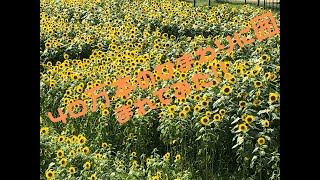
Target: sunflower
point(204, 120)
point(226, 89)
point(105, 112)
point(155, 177)
point(196, 97)
point(249, 119)
point(129, 102)
point(258, 93)
point(273, 97)
point(49, 174)
point(222, 112)
point(273, 77)
point(204, 103)
point(60, 153)
point(99, 45)
point(60, 138)
point(267, 75)
point(178, 157)
point(216, 117)
point(104, 145)
point(79, 149)
point(135, 164)
point(72, 153)
point(186, 108)
point(74, 77)
point(44, 130)
point(52, 84)
point(242, 127)
point(182, 114)
point(257, 84)
point(215, 83)
point(182, 100)
point(79, 89)
point(72, 170)
point(261, 141)
point(242, 104)
point(85, 150)
point(208, 113)
point(172, 108)
point(69, 140)
point(47, 45)
point(68, 92)
point(171, 115)
point(265, 57)
point(148, 160)
point(257, 102)
point(239, 70)
point(134, 154)
point(266, 123)
point(87, 165)
point(63, 162)
point(82, 140)
point(161, 114)
point(98, 155)
point(93, 177)
point(167, 156)
point(196, 108)
point(232, 80)
point(74, 138)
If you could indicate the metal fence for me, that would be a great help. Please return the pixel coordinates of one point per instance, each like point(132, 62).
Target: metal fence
point(271, 4)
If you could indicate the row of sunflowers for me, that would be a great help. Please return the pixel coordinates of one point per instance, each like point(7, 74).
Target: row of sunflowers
point(229, 130)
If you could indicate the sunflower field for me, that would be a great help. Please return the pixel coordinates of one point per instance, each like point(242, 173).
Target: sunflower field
point(228, 130)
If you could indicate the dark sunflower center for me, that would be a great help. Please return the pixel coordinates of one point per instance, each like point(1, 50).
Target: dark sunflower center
point(226, 90)
point(273, 98)
point(205, 120)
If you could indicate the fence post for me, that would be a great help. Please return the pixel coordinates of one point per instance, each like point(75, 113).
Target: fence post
point(245, 1)
point(194, 3)
point(209, 2)
point(264, 4)
point(258, 2)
